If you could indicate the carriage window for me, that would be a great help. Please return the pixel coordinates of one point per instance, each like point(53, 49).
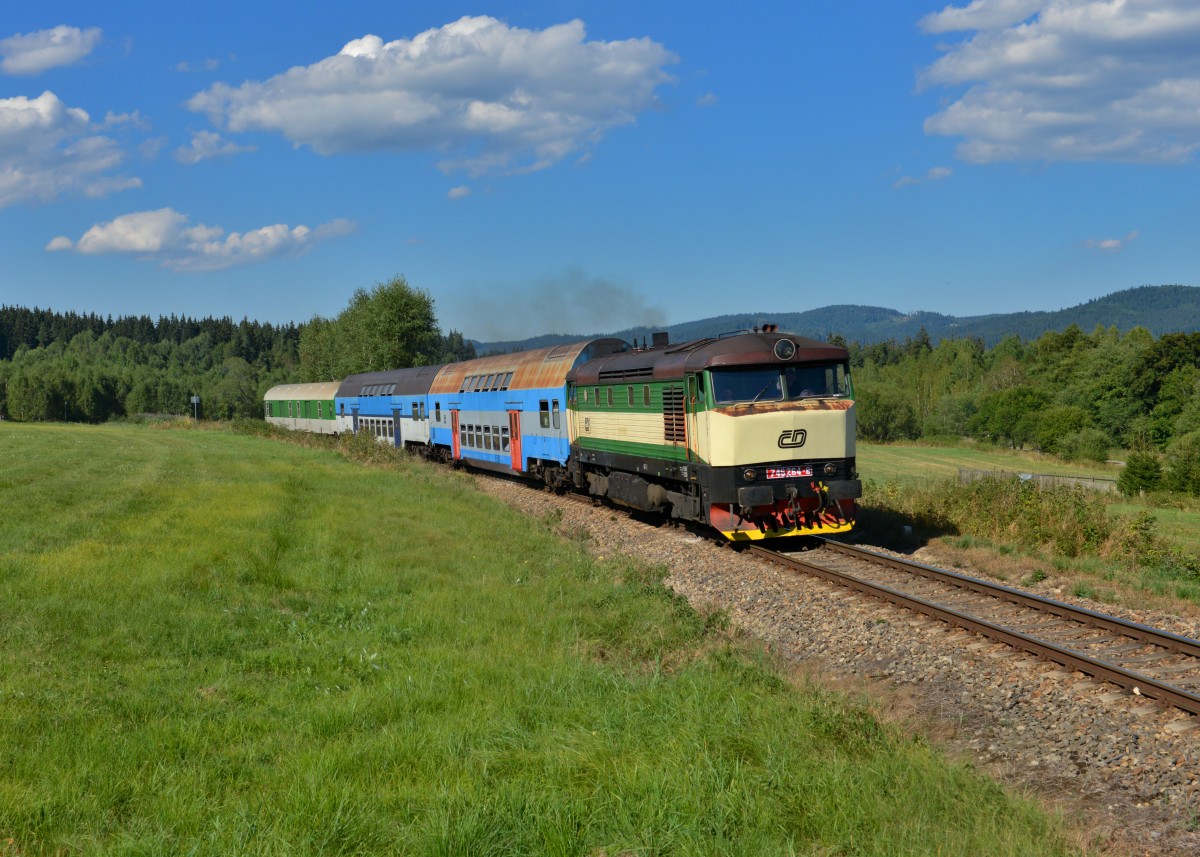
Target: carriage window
point(507, 380)
point(490, 383)
point(544, 415)
point(462, 436)
point(610, 397)
point(504, 438)
point(391, 429)
point(646, 394)
point(487, 437)
point(437, 412)
point(629, 395)
point(555, 412)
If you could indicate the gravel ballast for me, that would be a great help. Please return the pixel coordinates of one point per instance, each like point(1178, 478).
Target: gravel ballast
point(1125, 769)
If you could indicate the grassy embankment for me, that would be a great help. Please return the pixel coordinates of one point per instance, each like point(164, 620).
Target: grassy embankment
point(217, 644)
point(1097, 545)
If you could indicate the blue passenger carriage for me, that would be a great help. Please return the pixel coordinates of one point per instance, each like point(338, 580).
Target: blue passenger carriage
point(507, 412)
point(392, 405)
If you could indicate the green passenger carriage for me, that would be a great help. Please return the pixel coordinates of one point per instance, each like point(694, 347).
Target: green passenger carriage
point(302, 407)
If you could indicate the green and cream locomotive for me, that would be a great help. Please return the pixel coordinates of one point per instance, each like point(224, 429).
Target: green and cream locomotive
point(752, 434)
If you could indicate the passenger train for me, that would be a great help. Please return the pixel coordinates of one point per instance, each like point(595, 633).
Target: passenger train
point(752, 434)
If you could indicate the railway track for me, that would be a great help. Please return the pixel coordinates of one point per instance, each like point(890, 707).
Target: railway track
point(1143, 660)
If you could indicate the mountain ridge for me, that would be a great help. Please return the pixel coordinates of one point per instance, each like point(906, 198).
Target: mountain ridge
point(1159, 309)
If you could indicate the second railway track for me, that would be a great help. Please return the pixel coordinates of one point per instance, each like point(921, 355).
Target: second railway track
point(1146, 661)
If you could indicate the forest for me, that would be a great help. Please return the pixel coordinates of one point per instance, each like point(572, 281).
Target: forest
point(74, 367)
point(1069, 393)
point(1072, 394)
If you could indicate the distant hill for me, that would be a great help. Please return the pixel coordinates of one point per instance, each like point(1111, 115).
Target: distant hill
point(1159, 309)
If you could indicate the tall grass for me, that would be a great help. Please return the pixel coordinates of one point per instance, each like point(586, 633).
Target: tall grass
point(1061, 521)
point(215, 644)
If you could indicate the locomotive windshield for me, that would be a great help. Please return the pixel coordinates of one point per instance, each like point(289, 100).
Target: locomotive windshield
point(774, 384)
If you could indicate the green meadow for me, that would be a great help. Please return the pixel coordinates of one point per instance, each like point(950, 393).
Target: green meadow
point(906, 462)
point(216, 643)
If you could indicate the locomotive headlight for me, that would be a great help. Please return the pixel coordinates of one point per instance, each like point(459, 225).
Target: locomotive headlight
point(785, 349)
point(750, 474)
point(830, 469)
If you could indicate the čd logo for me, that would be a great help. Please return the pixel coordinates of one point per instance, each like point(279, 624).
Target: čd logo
point(792, 438)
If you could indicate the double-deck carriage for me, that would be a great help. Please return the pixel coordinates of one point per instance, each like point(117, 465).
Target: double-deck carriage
point(392, 405)
point(508, 412)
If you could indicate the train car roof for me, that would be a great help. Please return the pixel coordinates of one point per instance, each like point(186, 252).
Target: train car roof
point(673, 361)
point(413, 381)
point(539, 368)
point(302, 392)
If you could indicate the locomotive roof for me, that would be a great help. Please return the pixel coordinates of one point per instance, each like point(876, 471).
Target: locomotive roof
point(413, 381)
point(301, 392)
point(537, 368)
point(672, 361)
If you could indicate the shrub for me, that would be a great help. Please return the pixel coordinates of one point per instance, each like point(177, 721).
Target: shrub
point(1142, 472)
point(1087, 444)
point(1183, 464)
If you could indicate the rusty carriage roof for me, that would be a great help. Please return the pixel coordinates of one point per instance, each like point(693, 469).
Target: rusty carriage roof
point(673, 361)
point(538, 368)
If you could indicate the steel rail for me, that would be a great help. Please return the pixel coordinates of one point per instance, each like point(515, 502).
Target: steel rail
point(1136, 682)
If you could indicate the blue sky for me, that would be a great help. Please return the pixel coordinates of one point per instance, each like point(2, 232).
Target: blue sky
point(581, 167)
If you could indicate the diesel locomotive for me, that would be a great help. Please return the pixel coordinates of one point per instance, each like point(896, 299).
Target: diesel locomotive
point(751, 434)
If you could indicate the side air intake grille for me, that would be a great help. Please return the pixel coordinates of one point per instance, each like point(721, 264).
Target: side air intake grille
point(674, 429)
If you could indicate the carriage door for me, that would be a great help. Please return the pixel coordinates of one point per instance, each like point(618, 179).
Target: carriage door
point(689, 409)
point(514, 434)
point(397, 438)
point(454, 444)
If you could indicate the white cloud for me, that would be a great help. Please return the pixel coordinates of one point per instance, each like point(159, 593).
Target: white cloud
point(1073, 80)
point(459, 192)
point(490, 97)
point(708, 99)
point(33, 53)
point(207, 144)
point(932, 175)
point(48, 149)
point(981, 15)
point(209, 64)
point(164, 235)
point(1110, 245)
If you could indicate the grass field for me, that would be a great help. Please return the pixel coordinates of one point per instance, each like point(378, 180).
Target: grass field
point(896, 462)
point(221, 644)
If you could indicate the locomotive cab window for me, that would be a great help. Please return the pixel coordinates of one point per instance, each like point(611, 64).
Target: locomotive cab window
point(796, 381)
